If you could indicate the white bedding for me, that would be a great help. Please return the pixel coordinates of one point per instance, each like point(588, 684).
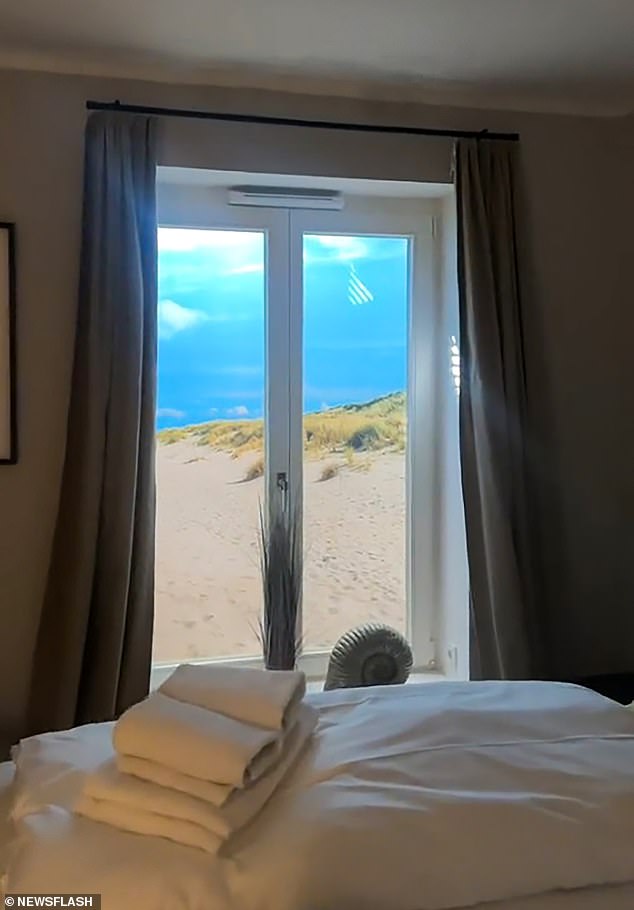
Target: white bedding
point(422, 798)
point(618, 898)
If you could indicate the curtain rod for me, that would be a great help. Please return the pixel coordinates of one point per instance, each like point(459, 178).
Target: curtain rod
point(296, 122)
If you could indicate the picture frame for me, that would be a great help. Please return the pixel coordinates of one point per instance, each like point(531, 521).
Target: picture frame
point(8, 415)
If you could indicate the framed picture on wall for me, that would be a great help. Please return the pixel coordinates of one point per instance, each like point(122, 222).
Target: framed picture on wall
point(8, 420)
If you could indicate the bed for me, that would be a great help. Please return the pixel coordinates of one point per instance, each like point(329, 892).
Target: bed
point(53, 850)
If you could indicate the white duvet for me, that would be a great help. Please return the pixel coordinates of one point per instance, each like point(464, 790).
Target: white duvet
point(417, 798)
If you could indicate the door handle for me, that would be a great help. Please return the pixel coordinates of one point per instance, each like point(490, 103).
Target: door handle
point(281, 482)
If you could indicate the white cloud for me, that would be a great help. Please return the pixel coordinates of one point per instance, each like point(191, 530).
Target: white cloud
point(191, 258)
point(334, 247)
point(185, 240)
point(250, 268)
point(174, 318)
point(239, 411)
point(170, 412)
point(213, 411)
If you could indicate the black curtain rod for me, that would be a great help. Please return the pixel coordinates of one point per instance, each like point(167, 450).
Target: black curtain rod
point(293, 121)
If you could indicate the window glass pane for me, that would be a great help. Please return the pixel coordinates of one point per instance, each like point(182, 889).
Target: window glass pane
point(356, 303)
point(210, 442)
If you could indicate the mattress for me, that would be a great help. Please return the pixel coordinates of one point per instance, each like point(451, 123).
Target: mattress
point(94, 848)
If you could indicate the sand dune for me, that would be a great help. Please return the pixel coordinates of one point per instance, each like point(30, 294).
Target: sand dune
point(208, 596)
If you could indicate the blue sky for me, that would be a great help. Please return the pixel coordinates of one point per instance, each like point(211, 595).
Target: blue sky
point(211, 322)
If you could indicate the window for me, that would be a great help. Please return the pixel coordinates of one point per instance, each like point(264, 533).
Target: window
point(356, 304)
point(210, 441)
point(303, 345)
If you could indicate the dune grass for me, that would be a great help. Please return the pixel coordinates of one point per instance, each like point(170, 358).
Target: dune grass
point(255, 470)
point(329, 471)
point(378, 425)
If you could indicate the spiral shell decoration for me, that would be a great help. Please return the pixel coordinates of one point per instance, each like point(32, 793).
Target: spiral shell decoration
point(370, 655)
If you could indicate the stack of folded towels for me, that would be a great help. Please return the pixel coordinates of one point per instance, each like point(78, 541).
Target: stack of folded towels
point(199, 758)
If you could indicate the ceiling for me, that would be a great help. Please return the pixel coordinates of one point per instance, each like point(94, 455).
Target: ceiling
point(563, 55)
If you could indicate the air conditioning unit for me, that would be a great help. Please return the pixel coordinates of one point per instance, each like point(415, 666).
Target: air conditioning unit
point(281, 197)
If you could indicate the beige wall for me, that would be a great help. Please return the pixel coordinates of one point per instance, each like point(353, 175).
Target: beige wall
point(577, 337)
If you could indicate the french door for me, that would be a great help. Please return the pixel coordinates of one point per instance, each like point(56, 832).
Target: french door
point(336, 328)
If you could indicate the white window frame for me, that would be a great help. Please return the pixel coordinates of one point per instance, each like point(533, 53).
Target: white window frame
point(400, 219)
point(186, 206)
point(189, 207)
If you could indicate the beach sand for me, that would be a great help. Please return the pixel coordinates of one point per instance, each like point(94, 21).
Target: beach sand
point(208, 587)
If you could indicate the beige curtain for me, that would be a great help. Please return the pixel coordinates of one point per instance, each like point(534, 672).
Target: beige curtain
point(493, 409)
point(94, 644)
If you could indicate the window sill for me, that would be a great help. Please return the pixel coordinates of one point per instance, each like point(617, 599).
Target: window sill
point(423, 676)
point(314, 682)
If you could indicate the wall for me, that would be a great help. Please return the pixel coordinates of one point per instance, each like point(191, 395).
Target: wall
point(577, 334)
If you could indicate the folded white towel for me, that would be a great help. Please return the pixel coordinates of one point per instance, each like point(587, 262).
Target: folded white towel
point(109, 785)
point(132, 804)
point(196, 741)
point(216, 794)
point(138, 821)
point(262, 697)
